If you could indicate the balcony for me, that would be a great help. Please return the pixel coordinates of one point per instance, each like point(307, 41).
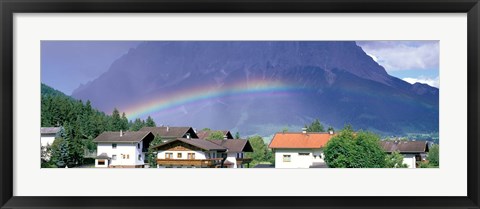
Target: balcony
point(203, 163)
point(243, 160)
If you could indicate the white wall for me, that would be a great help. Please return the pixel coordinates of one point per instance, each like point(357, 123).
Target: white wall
point(297, 161)
point(129, 149)
point(101, 166)
point(410, 160)
point(232, 157)
point(47, 139)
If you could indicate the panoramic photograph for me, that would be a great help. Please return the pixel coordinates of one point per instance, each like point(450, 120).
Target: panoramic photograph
point(240, 104)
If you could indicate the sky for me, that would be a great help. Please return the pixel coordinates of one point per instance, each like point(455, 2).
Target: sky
point(412, 61)
point(65, 65)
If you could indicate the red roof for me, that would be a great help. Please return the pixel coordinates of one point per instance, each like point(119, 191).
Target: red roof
point(310, 140)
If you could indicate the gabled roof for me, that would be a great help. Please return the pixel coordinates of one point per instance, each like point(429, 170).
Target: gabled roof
point(50, 130)
point(170, 132)
point(206, 134)
point(405, 146)
point(200, 143)
point(235, 145)
point(311, 140)
point(128, 136)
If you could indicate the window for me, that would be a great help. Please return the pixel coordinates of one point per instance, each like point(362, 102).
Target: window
point(138, 146)
point(114, 146)
point(214, 155)
point(124, 156)
point(287, 158)
point(303, 154)
point(179, 155)
point(128, 156)
point(114, 157)
point(139, 157)
point(191, 156)
point(101, 162)
point(168, 155)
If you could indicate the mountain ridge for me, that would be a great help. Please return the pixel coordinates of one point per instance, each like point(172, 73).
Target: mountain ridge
point(157, 68)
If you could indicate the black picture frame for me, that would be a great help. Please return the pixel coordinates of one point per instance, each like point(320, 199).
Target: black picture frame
point(10, 7)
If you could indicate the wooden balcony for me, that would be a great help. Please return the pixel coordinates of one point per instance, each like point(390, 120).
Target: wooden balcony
point(244, 160)
point(202, 163)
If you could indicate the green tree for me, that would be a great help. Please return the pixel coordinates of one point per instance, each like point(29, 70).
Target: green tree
point(124, 123)
point(115, 121)
point(394, 160)
point(433, 156)
point(216, 135)
point(151, 155)
point(237, 135)
point(137, 125)
point(261, 152)
point(330, 129)
point(315, 126)
point(354, 150)
point(60, 154)
point(149, 122)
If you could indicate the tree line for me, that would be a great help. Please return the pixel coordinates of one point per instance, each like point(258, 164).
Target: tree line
point(81, 123)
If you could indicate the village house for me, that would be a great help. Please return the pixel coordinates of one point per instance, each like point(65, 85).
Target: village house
point(169, 133)
point(413, 152)
point(47, 137)
point(299, 149)
point(122, 149)
point(206, 133)
point(200, 153)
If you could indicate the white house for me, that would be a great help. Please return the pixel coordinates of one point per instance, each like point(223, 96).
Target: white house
point(47, 137)
point(413, 151)
point(200, 153)
point(299, 149)
point(122, 149)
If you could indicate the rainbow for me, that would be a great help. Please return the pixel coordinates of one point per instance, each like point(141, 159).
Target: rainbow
point(208, 93)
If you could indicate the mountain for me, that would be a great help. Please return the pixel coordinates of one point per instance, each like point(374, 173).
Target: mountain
point(258, 87)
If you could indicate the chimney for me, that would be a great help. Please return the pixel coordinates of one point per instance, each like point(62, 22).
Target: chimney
point(304, 130)
point(168, 128)
point(121, 133)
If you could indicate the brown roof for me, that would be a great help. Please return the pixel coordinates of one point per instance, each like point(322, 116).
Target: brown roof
point(168, 132)
point(235, 145)
point(405, 146)
point(128, 136)
point(200, 143)
point(50, 130)
point(300, 140)
point(206, 134)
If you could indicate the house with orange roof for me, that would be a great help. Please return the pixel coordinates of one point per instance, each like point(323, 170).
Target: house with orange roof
point(299, 149)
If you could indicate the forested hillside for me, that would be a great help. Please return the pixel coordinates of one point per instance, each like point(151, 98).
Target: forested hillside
point(81, 124)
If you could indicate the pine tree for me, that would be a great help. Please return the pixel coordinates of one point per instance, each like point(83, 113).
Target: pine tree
point(137, 125)
point(237, 135)
point(150, 122)
point(316, 126)
point(115, 121)
point(152, 156)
